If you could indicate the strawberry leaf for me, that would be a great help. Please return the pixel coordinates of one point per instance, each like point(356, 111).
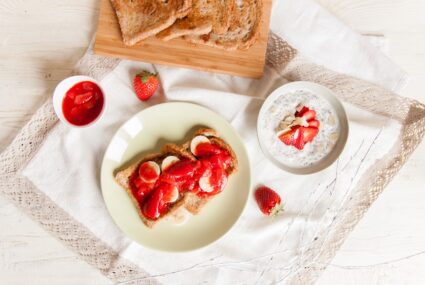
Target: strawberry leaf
point(145, 76)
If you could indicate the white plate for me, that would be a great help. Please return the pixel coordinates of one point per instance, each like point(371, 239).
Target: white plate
point(337, 106)
point(146, 133)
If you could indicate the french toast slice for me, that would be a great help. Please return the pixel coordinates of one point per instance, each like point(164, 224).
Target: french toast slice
point(243, 31)
point(191, 201)
point(204, 17)
point(139, 19)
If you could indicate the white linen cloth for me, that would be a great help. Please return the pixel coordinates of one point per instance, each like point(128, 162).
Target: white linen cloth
point(258, 249)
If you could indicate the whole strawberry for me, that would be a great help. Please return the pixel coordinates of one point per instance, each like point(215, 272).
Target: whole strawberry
point(268, 201)
point(145, 85)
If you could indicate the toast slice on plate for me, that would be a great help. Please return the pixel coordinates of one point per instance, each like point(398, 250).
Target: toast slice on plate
point(124, 178)
point(194, 202)
point(140, 19)
point(180, 176)
point(205, 16)
point(243, 30)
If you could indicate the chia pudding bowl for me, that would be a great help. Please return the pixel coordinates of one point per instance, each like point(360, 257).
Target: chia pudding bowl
point(302, 127)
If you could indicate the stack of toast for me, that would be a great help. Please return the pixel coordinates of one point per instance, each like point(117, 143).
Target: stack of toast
point(192, 202)
point(227, 24)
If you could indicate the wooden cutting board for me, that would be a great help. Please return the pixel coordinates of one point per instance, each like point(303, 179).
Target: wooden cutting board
point(177, 52)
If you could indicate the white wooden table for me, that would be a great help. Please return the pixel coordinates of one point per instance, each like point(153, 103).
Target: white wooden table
point(40, 40)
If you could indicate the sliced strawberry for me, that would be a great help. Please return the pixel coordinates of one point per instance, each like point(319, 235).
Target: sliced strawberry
point(180, 170)
point(309, 115)
point(314, 123)
point(214, 183)
point(222, 160)
point(204, 149)
point(143, 191)
point(138, 182)
point(293, 138)
point(83, 98)
point(309, 133)
point(203, 170)
point(302, 111)
point(218, 180)
point(268, 201)
point(189, 185)
point(140, 189)
point(170, 192)
point(154, 206)
point(288, 137)
point(299, 143)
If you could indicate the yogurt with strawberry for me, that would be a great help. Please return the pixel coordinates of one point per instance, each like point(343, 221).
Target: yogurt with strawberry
point(298, 128)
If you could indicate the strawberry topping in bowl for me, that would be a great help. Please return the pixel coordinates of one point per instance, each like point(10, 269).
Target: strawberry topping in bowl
point(83, 103)
point(300, 129)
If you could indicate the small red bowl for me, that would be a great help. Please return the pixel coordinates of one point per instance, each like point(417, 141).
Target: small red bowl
point(62, 109)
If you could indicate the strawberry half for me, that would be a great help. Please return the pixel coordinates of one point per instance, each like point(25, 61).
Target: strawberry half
point(309, 133)
point(179, 171)
point(204, 149)
point(309, 115)
point(293, 138)
point(268, 201)
point(155, 205)
point(301, 111)
point(145, 85)
point(314, 123)
point(299, 136)
point(288, 137)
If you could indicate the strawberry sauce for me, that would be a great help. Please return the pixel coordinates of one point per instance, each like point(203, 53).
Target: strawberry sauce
point(156, 198)
point(82, 103)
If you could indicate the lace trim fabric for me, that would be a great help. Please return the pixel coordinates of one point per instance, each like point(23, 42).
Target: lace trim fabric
point(370, 97)
point(285, 60)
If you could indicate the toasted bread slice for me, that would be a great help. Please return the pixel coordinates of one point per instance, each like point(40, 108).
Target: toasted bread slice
point(123, 178)
point(140, 19)
point(205, 16)
point(214, 137)
point(243, 31)
point(191, 201)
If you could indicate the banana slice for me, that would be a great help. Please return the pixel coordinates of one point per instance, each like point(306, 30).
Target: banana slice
point(205, 184)
point(196, 141)
point(173, 195)
point(168, 161)
point(149, 171)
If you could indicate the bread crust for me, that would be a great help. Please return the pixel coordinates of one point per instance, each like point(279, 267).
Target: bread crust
point(191, 201)
point(140, 19)
point(225, 24)
point(244, 28)
point(205, 16)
